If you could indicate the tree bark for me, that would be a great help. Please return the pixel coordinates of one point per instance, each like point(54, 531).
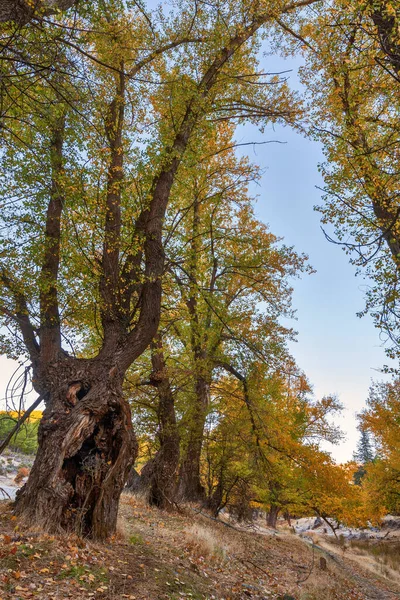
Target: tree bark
point(190, 487)
point(22, 11)
point(272, 516)
point(133, 482)
point(50, 331)
point(86, 448)
point(159, 475)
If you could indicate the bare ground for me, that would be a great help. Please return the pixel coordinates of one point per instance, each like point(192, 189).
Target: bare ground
point(159, 556)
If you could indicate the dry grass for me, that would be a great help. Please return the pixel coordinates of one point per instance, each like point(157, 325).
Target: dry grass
point(121, 534)
point(158, 555)
point(385, 552)
point(329, 586)
point(379, 555)
point(211, 542)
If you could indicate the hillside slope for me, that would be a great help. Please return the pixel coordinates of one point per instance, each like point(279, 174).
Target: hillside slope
point(160, 556)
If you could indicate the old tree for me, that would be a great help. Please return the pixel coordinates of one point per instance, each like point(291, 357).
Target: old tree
point(88, 168)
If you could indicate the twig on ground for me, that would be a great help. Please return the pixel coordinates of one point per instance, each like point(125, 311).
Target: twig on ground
point(311, 567)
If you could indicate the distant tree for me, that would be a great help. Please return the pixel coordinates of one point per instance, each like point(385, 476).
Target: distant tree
point(363, 456)
point(263, 449)
point(364, 453)
point(381, 418)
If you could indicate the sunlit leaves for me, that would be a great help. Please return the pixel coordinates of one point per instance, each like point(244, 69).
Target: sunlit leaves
point(350, 52)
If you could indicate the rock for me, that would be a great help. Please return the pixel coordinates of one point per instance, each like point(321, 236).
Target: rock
point(317, 523)
point(7, 492)
point(322, 564)
point(391, 523)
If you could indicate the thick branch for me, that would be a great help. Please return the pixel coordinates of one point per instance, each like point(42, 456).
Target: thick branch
point(387, 27)
point(385, 213)
point(21, 316)
point(109, 283)
point(50, 333)
point(22, 11)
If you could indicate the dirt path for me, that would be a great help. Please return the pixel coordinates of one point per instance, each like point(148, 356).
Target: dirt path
point(361, 570)
point(373, 587)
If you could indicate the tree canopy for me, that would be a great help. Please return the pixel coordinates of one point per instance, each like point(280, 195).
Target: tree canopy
point(135, 273)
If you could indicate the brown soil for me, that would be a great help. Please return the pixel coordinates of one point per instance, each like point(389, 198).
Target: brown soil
point(158, 556)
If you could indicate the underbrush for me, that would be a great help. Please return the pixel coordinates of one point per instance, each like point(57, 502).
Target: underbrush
point(25, 440)
point(209, 542)
point(385, 552)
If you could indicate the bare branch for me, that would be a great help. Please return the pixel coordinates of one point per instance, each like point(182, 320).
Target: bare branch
point(19, 424)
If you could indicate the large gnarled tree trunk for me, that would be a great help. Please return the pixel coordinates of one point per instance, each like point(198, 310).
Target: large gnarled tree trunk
point(86, 441)
point(86, 447)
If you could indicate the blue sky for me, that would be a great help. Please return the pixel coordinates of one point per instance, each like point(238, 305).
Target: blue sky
point(339, 352)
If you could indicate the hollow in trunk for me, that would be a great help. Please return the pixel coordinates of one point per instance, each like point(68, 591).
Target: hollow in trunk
point(86, 448)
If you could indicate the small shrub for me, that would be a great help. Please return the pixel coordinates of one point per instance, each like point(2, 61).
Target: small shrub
point(25, 440)
point(136, 539)
point(21, 474)
point(85, 576)
point(207, 541)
